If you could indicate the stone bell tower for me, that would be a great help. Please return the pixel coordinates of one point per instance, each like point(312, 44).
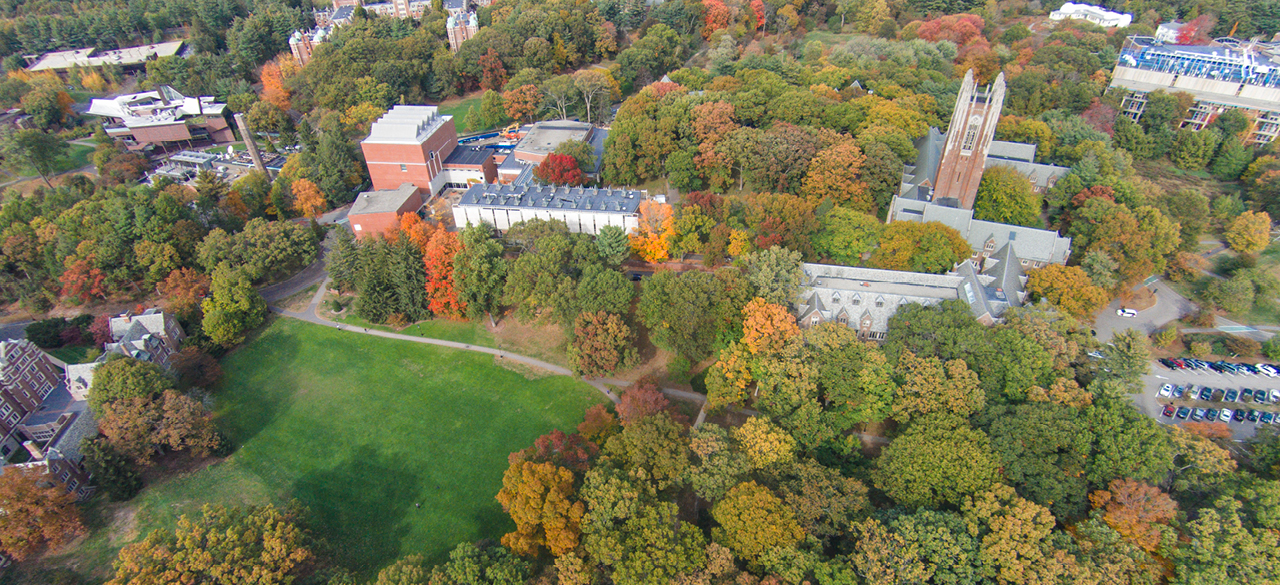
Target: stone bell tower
point(973, 126)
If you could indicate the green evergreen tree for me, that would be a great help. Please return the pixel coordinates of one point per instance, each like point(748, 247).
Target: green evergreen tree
point(1233, 158)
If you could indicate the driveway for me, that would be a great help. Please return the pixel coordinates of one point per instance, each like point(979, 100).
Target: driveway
point(1170, 306)
point(15, 330)
point(1150, 403)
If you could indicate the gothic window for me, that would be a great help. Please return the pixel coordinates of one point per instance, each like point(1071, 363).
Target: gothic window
point(971, 135)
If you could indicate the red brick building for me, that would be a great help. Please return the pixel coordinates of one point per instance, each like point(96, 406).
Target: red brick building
point(376, 212)
point(409, 144)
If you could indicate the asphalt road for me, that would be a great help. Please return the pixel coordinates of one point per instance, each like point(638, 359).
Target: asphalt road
point(15, 330)
point(1151, 403)
point(1170, 306)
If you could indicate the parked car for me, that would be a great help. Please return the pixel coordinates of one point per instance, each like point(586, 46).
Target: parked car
point(1246, 395)
point(1267, 418)
point(1246, 368)
point(1178, 391)
point(1206, 393)
point(1198, 415)
point(1252, 416)
point(1169, 409)
point(1183, 411)
point(1226, 415)
point(1126, 312)
point(1211, 414)
point(1166, 390)
point(1238, 416)
point(1275, 395)
point(1267, 370)
point(1233, 395)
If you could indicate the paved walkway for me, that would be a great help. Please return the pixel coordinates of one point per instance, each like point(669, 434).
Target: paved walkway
point(310, 315)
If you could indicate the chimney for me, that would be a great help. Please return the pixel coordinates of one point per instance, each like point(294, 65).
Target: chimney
point(252, 146)
point(34, 449)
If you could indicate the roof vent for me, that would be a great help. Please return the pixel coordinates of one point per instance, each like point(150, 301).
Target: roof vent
point(1013, 235)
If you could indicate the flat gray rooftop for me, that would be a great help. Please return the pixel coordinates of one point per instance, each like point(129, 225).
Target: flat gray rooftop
point(546, 136)
point(382, 201)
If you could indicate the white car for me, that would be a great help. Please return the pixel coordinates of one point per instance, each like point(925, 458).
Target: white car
point(1275, 395)
point(1226, 415)
point(1267, 370)
point(1126, 312)
point(1166, 390)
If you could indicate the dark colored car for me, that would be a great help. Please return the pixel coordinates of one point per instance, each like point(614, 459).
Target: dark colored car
point(1178, 391)
point(1267, 417)
point(1246, 368)
point(1252, 416)
point(1246, 395)
point(1206, 393)
point(1169, 409)
point(1183, 412)
point(1233, 395)
point(1166, 362)
point(1239, 416)
point(1211, 414)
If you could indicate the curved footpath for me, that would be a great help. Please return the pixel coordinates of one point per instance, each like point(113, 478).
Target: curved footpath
point(310, 315)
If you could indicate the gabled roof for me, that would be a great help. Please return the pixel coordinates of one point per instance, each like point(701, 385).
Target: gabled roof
point(1006, 268)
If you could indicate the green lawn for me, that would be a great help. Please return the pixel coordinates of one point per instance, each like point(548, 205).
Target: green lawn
point(458, 107)
point(359, 429)
point(460, 331)
point(77, 155)
point(78, 354)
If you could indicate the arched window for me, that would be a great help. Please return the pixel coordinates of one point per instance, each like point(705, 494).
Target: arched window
point(971, 135)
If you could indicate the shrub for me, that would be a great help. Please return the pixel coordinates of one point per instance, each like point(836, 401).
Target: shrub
point(47, 333)
point(1165, 337)
point(1243, 346)
point(1271, 348)
point(1200, 349)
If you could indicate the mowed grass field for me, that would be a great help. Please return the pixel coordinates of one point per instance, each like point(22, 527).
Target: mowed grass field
point(359, 429)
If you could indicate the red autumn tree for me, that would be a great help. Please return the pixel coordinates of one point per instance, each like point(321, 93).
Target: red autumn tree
point(437, 257)
point(1101, 116)
point(757, 6)
point(570, 451)
point(36, 514)
point(1196, 32)
point(83, 281)
point(957, 28)
point(718, 17)
point(560, 169)
point(640, 400)
point(493, 74)
point(100, 330)
point(184, 288)
point(598, 424)
point(419, 232)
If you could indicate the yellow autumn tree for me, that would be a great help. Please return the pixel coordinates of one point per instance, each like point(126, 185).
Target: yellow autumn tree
point(1250, 232)
point(540, 499)
point(833, 175)
point(764, 443)
point(1068, 288)
point(730, 377)
point(767, 327)
point(307, 199)
point(651, 239)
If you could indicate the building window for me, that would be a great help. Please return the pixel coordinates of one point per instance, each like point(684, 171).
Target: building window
point(879, 304)
point(815, 320)
point(404, 168)
point(857, 301)
point(971, 135)
point(357, 226)
point(843, 320)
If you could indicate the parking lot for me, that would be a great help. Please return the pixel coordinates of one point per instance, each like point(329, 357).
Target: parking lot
point(1152, 403)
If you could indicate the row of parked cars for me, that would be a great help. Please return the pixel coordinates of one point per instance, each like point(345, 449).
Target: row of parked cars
point(1268, 370)
point(1224, 415)
point(1231, 395)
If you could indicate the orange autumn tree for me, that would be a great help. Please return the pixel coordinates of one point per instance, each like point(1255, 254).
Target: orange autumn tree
point(419, 232)
point(437, 257)
point(767, 327)
point(1135, 510)
point(308, 201)
point(273, 80)
point(834, 175)
point(651, 239)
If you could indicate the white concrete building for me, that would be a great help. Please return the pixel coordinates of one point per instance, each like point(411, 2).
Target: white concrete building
point(1099, 16)
point(583, 209)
